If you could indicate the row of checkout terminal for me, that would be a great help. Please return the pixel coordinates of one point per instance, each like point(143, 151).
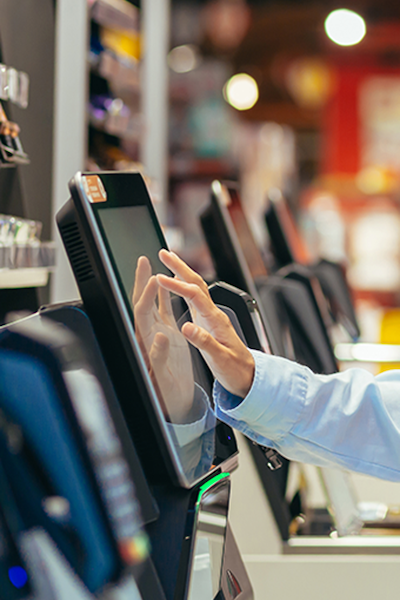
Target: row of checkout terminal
point(108, 488)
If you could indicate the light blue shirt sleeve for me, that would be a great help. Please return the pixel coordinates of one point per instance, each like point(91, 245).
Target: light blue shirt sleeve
point(349, 419)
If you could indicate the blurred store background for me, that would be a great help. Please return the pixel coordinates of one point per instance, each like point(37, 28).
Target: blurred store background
point(322, 125)
point(296, 101)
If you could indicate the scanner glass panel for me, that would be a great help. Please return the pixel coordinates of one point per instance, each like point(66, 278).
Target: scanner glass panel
point(209, 543)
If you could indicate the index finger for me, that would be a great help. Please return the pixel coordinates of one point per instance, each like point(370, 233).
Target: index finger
point(191, 292)
point(181, 270)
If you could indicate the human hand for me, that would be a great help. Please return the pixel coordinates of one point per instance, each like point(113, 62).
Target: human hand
point(164, 347)
point(211, 331)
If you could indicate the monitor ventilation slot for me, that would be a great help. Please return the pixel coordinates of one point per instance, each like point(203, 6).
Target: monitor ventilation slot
point(76, 252)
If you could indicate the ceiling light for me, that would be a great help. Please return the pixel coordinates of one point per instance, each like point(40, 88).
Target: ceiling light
point(241, 91)
point(345, 27)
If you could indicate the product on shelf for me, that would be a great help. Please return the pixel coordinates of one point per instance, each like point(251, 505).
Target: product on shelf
point(20, 245)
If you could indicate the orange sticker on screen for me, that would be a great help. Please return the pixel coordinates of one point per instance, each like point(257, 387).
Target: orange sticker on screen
point(94, 188)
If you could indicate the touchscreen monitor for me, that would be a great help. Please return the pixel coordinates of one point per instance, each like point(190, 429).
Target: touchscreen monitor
point(288, 247)
point(112, 237)
point(234, 251)
point(226, 251)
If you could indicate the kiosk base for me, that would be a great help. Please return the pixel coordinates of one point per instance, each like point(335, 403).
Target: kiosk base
point(194, 550)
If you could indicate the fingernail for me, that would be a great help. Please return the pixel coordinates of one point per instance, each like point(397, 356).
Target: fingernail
point(191, 329)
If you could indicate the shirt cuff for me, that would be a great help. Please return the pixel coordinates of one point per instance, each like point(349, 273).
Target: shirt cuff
point(273, 404)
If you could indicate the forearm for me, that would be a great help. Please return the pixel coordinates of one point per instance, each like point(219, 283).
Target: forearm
point(349, 419)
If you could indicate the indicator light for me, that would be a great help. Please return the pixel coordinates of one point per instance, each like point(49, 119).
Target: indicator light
point(18, 576)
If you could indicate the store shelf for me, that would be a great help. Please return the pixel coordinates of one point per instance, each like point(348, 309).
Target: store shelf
point(26, 265)
point(117, 128)
point(121, 74)
point(24, 278)
point(114, 118)
point(16, 257)
point(116, 14)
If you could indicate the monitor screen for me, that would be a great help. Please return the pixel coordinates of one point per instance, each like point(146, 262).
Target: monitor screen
point(122, 236)
point(134, 224)
point(234, 251)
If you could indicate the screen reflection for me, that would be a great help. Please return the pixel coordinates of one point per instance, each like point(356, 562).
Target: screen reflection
point(170, 362)
point(162, 344)
point(181, 380)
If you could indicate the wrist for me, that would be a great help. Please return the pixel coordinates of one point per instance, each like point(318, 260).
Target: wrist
point(248, 372)
point(241, 384)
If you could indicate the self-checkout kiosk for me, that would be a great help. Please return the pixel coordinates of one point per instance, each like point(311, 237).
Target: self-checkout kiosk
point(316, 530)
point(187, 455)
point(292, 316)
point(117, 493)
point(290, 254)
point(291, 257)
point(287, 314)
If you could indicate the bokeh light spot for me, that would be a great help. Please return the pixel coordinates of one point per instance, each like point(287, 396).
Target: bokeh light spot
point(345, 27)
point(241, 91)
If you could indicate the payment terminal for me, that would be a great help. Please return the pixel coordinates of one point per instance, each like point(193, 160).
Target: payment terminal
point(14, 576)
point(63, 457)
